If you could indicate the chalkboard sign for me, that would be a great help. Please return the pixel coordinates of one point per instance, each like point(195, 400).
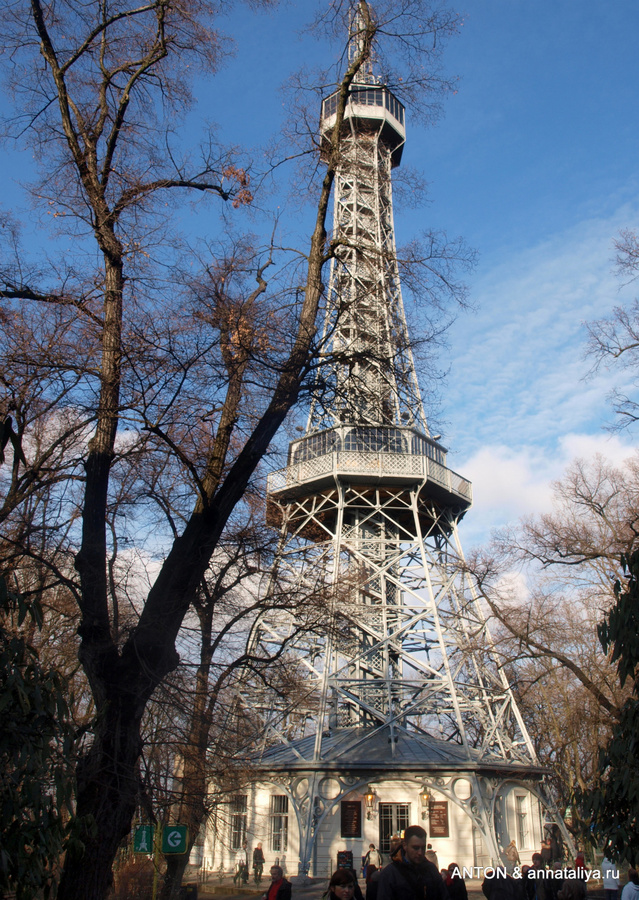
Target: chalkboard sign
point(344, 859)
point(438, 817)
point(351, 818)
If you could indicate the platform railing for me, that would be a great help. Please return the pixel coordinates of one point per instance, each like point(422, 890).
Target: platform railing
point(375, 464)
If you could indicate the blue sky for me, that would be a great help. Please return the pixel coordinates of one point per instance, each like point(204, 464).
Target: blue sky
point(535, 164)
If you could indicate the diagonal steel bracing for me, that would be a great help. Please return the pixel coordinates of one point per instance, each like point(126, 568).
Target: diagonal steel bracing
point(404, 641)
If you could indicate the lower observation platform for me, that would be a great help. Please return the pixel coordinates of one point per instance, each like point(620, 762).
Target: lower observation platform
point(367, 468)
point(368, 455)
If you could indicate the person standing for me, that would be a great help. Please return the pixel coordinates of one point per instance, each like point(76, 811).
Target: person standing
point(497, 886)
point(280, 888)
point(241, 863)
point(573, 889)
point(455, 884)
point(512, 856)
point(556, 844)
point(258, 863)
point(431, 856)
point(372, 858)
point(610, 876)
point(536, 875)
point(631, 890)
point(372, 882)
point(546, 852)
point(557, 881)
point(410, 876)
point(529, 888)
point(245, 871)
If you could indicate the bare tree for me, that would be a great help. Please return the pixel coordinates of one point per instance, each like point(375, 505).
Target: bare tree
point(187, 386)
point(608, 800)
point(230, 599)
point(548, 583)
point(615, 339)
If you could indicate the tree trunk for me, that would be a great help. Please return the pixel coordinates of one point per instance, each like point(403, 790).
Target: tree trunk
point(107, 785)
point(123, 682)
point(191, 810)
point(175, 866)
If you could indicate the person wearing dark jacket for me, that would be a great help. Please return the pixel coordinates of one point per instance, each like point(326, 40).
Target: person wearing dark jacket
point(280, 888)
point(556, 844)
point(528, 883)
point(410, 876)
point(501, 887)
point(455, 884)
point(372, 882)
point(258, 863)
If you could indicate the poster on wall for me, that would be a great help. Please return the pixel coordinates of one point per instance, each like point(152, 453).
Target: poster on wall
point(438, 817)
point(351, 811)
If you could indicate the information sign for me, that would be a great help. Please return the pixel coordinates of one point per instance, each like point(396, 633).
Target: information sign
point(175, 838)
point(438, 818)
point(351, 815)
point(143, 839)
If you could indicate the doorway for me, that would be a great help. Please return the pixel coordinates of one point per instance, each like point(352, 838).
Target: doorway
point(394, 818)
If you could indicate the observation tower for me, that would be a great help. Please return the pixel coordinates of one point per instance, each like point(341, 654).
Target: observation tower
point(388, 705)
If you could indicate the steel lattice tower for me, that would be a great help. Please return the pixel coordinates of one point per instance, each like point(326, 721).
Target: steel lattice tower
point(394, 652)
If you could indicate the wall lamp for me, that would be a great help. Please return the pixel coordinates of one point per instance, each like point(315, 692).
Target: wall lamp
point(424, 797)
point(370, 797)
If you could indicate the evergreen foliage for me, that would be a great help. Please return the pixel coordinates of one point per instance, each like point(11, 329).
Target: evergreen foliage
point(614, 804)
point(35, 741)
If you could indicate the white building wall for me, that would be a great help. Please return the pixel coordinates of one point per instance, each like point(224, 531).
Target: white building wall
point(463, 845)
point(522, 821)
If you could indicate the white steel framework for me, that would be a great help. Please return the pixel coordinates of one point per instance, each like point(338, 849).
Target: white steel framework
point(391, 648)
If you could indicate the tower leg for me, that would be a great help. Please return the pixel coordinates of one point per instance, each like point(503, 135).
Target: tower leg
point(308, 826)
point(483, 815)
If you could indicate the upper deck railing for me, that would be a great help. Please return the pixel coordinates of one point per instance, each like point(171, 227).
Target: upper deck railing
point(368, 96)
point(369, 104)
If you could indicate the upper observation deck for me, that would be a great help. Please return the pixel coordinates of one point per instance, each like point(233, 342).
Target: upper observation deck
point(369, 107)
point(369, 455)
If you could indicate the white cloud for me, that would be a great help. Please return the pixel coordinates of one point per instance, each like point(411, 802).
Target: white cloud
point(509, 483)
point(519, 402)
point(517, 368)
point(614, 447)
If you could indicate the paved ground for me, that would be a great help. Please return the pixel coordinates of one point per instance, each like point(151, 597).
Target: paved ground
point(312, 891)
point(316, 888)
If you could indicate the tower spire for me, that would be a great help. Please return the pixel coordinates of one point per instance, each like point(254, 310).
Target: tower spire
point(356, 30)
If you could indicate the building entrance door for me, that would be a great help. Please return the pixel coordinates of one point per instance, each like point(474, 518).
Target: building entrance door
point(394, 818)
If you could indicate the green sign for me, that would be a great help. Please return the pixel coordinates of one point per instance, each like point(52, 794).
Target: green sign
point(175, 838)
point(143, 839)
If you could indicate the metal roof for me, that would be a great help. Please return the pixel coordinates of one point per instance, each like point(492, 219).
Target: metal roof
point(352, 749)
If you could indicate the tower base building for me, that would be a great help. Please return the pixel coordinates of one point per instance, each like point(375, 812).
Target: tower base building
point(305, 816)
